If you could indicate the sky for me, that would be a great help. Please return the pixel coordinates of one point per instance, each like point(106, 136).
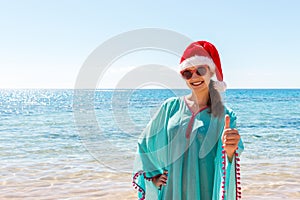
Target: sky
point(44, 44)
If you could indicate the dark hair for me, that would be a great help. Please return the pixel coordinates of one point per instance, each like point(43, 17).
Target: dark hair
point(215, 103)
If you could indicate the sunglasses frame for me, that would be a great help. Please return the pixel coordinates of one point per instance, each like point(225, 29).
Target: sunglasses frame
point(192, 71)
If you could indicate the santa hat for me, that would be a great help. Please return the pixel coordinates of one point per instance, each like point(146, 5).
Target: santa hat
point(204, 53)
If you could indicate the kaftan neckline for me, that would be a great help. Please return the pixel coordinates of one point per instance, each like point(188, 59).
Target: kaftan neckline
point(190, 109)
point(191, 122)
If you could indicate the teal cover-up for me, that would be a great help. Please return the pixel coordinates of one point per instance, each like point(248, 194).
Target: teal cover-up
point(188, 145)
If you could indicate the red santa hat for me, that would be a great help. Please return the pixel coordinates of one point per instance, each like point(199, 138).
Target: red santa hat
point(204, 53)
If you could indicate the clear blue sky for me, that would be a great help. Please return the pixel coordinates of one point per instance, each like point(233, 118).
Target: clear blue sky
point(43, 44)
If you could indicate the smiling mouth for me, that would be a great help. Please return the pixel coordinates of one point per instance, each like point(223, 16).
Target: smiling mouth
point(197, 83)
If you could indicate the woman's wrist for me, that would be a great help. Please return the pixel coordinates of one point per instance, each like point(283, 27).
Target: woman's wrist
point(229, 157)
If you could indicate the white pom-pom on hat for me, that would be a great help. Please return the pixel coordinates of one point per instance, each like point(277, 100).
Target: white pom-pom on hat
point(220, 86)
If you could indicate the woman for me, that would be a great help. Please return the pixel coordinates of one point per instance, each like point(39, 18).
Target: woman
point(190, 149)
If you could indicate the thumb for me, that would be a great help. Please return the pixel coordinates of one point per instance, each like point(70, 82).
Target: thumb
point(227, 122)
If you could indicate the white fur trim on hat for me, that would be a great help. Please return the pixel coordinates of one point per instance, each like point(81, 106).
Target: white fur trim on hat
point(198, 60)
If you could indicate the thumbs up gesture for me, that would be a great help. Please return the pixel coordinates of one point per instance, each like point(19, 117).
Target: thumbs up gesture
point(230, 138)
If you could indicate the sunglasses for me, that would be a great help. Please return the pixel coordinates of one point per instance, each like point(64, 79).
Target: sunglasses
point(188, 73)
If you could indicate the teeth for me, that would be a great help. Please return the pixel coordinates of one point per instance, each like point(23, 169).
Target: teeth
point(197, 83)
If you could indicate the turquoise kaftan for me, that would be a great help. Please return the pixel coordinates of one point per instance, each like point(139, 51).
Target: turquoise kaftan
point(188, 145)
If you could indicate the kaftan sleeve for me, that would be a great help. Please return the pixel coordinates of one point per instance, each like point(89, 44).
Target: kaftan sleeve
point(152, 153)
point(227, 175)
point(233, 168)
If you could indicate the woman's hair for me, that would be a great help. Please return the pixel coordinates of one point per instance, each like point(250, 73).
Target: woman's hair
point(215, 103)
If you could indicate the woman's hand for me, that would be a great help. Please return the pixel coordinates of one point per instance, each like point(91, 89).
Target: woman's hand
point(160, 179)
point(230, 139)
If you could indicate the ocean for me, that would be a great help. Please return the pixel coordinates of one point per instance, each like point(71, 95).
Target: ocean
point(73, 144)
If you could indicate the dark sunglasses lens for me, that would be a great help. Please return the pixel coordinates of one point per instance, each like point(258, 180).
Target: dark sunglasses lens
point(201, 71)
point(187, 74)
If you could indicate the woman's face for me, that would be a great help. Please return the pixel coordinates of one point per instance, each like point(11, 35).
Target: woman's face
point(197, 78)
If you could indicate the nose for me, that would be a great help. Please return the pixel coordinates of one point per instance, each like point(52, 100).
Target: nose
point(195, 75)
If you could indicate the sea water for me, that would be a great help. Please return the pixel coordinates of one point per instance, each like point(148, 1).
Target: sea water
point(69, 144)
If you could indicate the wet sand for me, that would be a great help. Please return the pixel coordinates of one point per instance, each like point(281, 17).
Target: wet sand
point(263, 181)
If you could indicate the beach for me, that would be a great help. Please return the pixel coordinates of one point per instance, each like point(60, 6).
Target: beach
point(58, 181)
point(46, 181)
point(44, 155)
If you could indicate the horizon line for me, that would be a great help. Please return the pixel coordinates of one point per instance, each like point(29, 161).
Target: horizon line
point(141, 88)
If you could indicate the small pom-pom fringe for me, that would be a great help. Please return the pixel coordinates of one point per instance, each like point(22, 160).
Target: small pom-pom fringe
point(238, 177)
point(224, 172)
point(136, 186)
